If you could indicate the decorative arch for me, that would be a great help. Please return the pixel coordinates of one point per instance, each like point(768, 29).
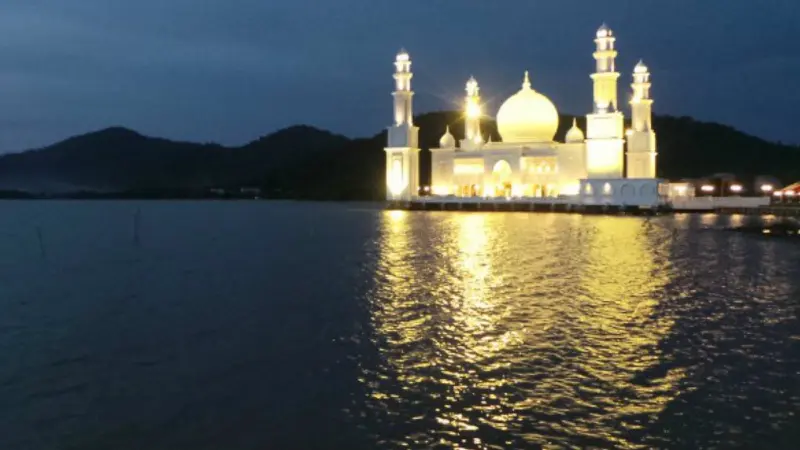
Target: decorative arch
point(501, 176)
point(627, 191)
point(502, 169)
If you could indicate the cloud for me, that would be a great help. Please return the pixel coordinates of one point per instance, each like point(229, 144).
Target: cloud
point(231, 70)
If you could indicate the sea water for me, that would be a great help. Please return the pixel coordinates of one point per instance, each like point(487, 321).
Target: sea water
point(266, 325)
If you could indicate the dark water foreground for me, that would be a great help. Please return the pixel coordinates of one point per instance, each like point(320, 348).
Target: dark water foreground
point(278, 325)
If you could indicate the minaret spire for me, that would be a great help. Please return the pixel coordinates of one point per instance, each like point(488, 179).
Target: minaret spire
point(472, 106)
point(606, 75)
point(402, 152)
point(606, 124)
point(641, 137)
point(403, 111)
point(641, 103)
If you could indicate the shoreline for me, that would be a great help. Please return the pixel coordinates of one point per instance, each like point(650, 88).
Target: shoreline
point(588, 209)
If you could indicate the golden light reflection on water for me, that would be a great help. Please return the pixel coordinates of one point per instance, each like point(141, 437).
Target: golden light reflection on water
point(621, 285)
point(528, 329)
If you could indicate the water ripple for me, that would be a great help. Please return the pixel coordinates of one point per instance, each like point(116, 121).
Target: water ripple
point(503, 330)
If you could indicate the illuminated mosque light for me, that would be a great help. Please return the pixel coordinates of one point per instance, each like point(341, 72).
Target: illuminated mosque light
point(534, 164)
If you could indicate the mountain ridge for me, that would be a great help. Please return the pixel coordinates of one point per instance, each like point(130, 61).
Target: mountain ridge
point(303, 161)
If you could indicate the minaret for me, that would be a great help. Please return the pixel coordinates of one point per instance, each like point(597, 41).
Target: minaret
point(402, 152)
point(605, 125)
point(472, 119)
point(641, 137)
point(403, 94)
point(606, 75)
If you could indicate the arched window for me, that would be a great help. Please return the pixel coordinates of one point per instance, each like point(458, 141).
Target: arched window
point(502, 170)
point(627, 191)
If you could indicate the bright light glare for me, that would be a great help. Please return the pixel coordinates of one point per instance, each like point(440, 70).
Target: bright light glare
point(736, 188)
point(440, 190)
point(473, 110)
point(397, 182)
point(707, 188)
point(468, 169)
point(766, 188)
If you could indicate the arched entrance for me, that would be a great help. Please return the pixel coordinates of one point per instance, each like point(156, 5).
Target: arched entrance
point(501, 177)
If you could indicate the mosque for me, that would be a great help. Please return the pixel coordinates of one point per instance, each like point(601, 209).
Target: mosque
point(529, 163)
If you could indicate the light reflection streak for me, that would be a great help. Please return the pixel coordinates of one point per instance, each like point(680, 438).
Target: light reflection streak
point(505, 321)
point(622, 284)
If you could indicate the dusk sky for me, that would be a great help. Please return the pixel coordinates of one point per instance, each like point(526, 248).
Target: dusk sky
point(229, 71)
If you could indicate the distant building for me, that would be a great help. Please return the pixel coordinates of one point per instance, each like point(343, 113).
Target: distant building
point(788, 194)
point(528, 163)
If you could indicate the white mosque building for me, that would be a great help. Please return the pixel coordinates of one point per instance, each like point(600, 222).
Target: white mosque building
point(529, 163)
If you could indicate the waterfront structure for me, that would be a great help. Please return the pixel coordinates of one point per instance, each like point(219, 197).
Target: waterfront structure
point(402, 153)
point(528, 162)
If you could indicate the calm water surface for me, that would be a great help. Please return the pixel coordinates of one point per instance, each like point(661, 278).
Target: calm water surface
point(258, 325)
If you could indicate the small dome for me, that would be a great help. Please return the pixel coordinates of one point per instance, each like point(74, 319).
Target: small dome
point(640, 67)
point(402, 55)
point(527, 116)
point(575, 135)
point(604, 31)
point(448, 140)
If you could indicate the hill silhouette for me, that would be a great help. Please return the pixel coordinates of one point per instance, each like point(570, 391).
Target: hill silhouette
point(306, 162)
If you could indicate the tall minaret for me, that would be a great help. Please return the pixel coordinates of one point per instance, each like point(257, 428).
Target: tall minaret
point(402, 152)
point(403, 95)
point(472, 119)
point(605, 125)
point(641, 137)
point(606, 75)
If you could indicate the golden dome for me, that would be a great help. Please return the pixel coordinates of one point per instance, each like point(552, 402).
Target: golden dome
point(527, 116)
point(575, 134)
point(448, 140)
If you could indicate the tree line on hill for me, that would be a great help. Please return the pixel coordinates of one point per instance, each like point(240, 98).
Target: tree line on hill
point(303, 162)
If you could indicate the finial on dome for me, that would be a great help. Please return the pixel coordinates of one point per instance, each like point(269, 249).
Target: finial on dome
point(640, 67)
point(526, 83)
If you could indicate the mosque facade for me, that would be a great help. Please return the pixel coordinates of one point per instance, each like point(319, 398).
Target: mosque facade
point(528, 162)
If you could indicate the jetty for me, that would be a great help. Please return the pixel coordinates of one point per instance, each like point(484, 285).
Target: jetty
point(571, 206)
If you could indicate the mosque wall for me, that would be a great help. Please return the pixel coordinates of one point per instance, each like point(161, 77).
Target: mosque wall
point(442, 172)
point(571, 167)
